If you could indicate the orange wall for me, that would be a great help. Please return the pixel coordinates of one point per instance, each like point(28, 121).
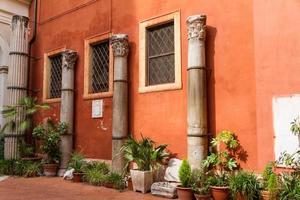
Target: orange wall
point(160, 115)
point(277, 63)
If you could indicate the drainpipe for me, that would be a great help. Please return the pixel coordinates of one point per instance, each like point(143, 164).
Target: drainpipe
point(120, 48)
point(69, 58)
point(17, 81)
point(197, 137)
point(32, 40)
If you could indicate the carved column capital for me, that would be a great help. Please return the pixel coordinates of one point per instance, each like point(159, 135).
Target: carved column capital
point(120, 45)
point(19, 19)
point(196, 27)
point(3, 69)
point(69, 58)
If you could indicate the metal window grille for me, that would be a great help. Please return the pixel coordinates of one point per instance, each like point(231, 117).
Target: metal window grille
point(160, 54)
point(55, 76)
point(100, 67)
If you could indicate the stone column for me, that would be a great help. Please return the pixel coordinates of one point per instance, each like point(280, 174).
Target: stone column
point(120, 49)
point(197, 101)
point(17, 81)
point(69, 58)
point(3, 78)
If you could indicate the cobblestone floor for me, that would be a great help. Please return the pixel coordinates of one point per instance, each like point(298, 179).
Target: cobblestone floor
point(42, 188)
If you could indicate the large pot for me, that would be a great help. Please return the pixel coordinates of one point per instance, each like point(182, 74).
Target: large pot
point(141, 180)
point(185, 193)
point(202, 197)
point(265, 195)
point(50, 169)
point(220, 193)
point(77, 177)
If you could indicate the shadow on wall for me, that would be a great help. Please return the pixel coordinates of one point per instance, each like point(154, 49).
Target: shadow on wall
point(211, 33)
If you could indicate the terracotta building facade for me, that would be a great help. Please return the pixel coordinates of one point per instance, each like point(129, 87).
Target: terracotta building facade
point(251, 63)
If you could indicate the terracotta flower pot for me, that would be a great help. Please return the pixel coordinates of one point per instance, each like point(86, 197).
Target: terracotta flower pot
point(220, 193)
point(202, 197)
point(77, 177)
point(185, 193)
point(141, 180)
point(50, 169)
point(265, 195)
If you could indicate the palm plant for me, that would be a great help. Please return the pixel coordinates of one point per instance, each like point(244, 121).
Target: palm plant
point(290, 187)
point(77, 162)
point(144, 153)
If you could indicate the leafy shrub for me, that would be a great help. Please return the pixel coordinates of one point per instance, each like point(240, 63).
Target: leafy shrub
point(220, 180)
point(94, 176)
point(116, 179)
point(98, 166)
point(77, 162)
point(246, 184)
point(290, 187)
point(200, 183)
point(19, 167)
point(185, 174)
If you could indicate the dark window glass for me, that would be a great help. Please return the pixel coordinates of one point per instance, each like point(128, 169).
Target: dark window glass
point(55, 76)
point(100, 67)
point(160, 54)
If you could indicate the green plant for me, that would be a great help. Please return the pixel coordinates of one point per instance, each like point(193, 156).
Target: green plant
point(144, 153)
point(94, 176)
point(102, 167)
point(50, 139)
point(290, 187)
point(295, 126)
point(27, 106)
point(223, 160)
point(185, 174)
point(200, 184)
point(32, 169)
point(219, 180)
point(77, 162)
point(290, 160)
point(245, 184)
point(273, 186)
point(62, 128)
point(270, 180)
point(115, 179)
point(25, 149)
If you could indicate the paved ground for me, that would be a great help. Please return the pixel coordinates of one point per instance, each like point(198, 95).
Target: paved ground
point(43, 188)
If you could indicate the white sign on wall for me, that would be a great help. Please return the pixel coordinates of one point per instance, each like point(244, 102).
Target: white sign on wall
point(285, 110)
point(97, 108)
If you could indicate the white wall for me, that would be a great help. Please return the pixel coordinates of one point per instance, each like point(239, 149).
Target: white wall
point(285, 110)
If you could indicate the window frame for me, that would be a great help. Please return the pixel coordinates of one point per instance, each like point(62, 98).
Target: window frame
point(143, 26)
point(46, 75)
point(87, 90)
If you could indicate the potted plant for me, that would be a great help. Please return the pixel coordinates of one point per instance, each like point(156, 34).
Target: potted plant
point(200, 185)
point(184, 190)
point(50, 139)
point(222, 162)
point(146, 156)
point(244, 185)
point(290, 186)
point(114, 180)
point(95, 173)
point(269, 184)
point(32, 169)
point(77, 163)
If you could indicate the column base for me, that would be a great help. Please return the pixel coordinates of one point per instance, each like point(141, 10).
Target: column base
point(118, 161)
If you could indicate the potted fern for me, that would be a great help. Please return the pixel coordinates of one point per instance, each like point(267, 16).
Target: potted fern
point(184, 190)
point(146, 156)
point(269, 182)
point(77, 163)
point(222, 162)
point(244, 185)
point(200, 185)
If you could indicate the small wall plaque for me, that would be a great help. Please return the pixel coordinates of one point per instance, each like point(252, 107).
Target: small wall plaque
point(97, 108)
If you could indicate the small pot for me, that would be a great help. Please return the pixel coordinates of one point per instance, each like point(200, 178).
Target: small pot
point(265, 195)
point(185, 193)
point(77, 177)
point(220, 193)
point(202, 196)
point(50, 169)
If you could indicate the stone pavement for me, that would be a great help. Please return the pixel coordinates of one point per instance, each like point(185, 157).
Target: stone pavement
point(42, 188)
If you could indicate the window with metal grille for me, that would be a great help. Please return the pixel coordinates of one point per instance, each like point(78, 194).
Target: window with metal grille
point(100, 67)
point(55, 76)
point(160, 54)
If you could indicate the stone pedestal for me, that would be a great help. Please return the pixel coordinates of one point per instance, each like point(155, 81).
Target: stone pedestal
point(17, 82)
point(69, 58)
point(197, 98)
point(120, 48)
